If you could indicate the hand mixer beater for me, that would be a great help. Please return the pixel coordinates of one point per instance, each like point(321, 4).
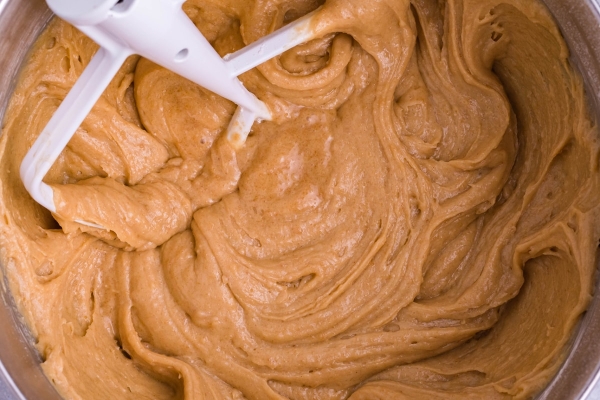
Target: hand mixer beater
point(160, 31)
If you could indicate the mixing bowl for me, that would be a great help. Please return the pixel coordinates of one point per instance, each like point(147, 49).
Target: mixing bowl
point(20, 374)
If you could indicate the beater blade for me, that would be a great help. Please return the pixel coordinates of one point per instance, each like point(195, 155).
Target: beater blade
point(160, 31)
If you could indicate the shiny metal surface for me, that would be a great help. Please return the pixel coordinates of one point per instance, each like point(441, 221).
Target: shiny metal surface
point(21, 378)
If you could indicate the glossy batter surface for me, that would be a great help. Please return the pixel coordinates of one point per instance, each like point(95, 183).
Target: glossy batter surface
point(420, 220)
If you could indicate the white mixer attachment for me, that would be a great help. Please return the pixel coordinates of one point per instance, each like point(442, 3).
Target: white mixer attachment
point(160, 31)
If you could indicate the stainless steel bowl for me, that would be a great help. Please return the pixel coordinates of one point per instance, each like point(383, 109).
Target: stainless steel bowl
point(20, 374)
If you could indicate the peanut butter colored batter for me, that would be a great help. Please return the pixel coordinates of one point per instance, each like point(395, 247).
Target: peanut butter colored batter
point(419, 221)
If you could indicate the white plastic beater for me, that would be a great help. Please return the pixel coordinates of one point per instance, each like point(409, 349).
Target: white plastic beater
point(160, 31)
